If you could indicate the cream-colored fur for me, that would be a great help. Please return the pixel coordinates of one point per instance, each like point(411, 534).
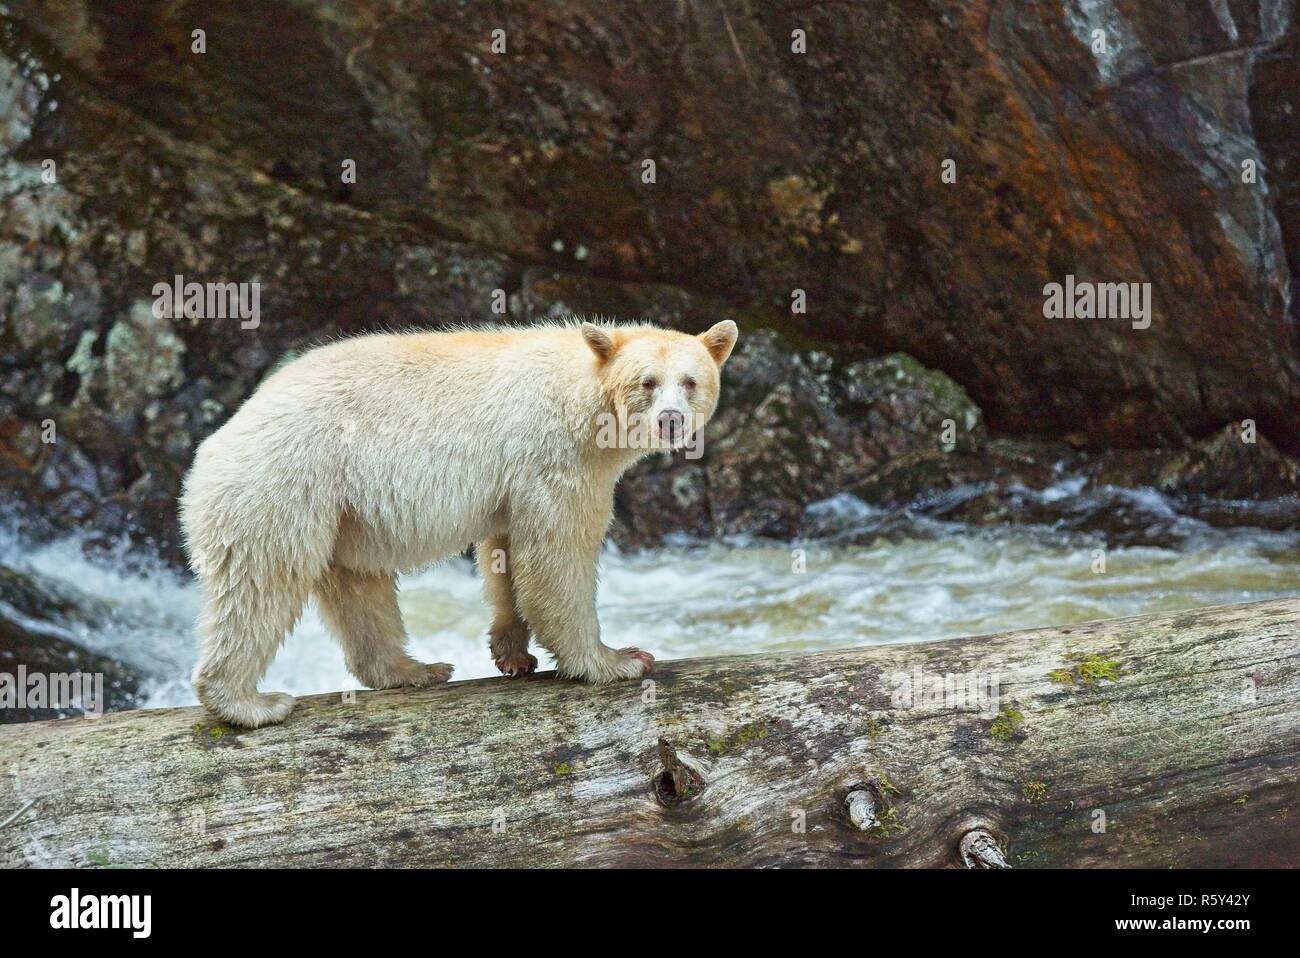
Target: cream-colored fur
point(386, 453)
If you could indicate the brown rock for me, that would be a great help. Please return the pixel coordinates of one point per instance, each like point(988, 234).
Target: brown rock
point(33, 615)
point(523, 172)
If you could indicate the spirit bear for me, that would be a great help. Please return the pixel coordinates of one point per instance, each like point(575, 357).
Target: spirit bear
point(385, 453)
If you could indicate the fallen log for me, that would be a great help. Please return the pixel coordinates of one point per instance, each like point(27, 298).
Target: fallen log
point(1161, 740)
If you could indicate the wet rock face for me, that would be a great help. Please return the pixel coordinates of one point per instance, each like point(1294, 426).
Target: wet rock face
point(34, 634)
point(1164, 498)
point(1102, 140)
point(28, 656)
point(102, 402)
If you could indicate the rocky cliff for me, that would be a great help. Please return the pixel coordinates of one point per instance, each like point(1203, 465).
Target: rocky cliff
point(800, 157)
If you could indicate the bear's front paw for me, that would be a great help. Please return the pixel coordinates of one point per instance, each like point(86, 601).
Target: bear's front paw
point(646, 660)
point(516, 664)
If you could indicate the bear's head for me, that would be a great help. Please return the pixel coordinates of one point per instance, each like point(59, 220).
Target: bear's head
point(661, 385)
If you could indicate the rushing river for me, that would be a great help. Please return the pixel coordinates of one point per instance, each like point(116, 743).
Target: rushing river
point(930, 581)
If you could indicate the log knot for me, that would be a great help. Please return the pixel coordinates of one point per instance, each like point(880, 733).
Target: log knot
point(870, 807)
point(980, 850)
point(676, 782)
point(861, 805)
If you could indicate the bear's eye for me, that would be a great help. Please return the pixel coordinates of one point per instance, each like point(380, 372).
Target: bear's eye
point(688, 383)
point(649, 384)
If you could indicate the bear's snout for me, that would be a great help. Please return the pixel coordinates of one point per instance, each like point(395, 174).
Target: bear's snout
point(671, 426)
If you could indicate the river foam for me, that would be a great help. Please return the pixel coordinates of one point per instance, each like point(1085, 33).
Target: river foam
point(695, 600)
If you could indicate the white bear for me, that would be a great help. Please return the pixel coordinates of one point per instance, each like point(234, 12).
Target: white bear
point(387, 453)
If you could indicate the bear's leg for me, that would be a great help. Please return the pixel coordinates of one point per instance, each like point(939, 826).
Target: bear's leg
point(508, 636)
point(361, 612)
point(555, 587)
point(243, 621)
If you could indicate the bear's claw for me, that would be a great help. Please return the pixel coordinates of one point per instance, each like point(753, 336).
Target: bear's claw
point(517, 664)
point(646, 659)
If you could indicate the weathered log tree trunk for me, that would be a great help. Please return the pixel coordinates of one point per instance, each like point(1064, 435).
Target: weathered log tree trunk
point(1169, 740)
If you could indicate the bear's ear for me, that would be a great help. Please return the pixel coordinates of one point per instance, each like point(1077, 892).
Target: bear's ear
point(720, 340)
point(600, 341)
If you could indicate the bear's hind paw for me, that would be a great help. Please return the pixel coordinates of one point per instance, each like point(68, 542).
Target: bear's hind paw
point(434, 674)
point(252, 711)
point(417, 676)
